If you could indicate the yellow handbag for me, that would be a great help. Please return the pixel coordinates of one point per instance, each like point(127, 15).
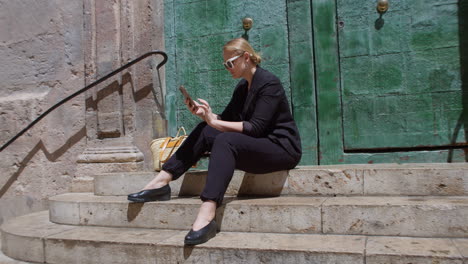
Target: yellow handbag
point(164, 148)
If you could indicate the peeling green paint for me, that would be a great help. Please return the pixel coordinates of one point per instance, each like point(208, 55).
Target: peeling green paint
point(409, 63)
point(327, 81)
point(302, 77)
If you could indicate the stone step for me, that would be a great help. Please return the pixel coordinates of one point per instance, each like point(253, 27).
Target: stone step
point(33, 238)
point(6, 260)
point(447, 179)
point(417, 216)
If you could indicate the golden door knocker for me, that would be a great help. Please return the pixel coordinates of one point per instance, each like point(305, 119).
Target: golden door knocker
point(382, 6)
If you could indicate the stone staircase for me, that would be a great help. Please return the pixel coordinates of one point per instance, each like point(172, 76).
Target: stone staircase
point(388, 213)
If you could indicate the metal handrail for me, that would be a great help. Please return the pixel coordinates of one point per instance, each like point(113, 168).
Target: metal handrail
point(85, 89)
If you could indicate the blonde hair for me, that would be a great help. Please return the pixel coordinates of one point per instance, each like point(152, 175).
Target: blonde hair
point(239, 46)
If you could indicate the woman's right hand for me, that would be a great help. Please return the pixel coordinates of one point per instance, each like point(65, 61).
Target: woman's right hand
point(195, 109)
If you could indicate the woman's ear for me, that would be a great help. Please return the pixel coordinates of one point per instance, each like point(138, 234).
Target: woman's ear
point(246, 56)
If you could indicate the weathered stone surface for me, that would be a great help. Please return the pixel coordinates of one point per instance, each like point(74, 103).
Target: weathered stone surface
point(47, 50)
point(411, 250)
point(114, 155)
point(189, 184)
point(87, 169)
point(193, 183)
point(85, 245)
point(23, 238)
point(121, 183)
point(462, 245)
point(20, 204)
point(67, 208)
point(379, 179)
point(399, 216)
point(268, 184)
point(405, 216)
point(104, 245)
point(416, 181)
point(279, 215)
point(111, 155)
point(124, 106)
point(7, 260)
point(82, 184)
point(264, 248)
point(276, 215)
point(14, 246)
point(174, 214)
point(37, 55)
point(86, 209)
point(42, 62)
point(324, 180)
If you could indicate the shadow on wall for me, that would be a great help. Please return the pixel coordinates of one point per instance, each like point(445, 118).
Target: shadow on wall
point(463, 38)
point(116, 87)
point(79, 135)
point(54, 156)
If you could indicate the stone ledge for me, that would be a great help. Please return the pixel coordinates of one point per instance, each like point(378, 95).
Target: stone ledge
point(357, 179)
point(82, 184)
point(411, 250)
point(359, 215)
point(297, 214)
point(6, 260)
point(78, 244)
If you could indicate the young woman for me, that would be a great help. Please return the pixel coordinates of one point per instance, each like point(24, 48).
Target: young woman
point(255, 133)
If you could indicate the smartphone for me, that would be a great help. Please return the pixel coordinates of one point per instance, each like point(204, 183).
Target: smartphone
point(187, 96)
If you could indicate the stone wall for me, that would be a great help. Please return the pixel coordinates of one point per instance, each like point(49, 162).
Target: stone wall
point(50, 49)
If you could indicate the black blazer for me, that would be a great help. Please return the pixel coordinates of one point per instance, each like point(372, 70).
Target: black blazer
point(265, 112)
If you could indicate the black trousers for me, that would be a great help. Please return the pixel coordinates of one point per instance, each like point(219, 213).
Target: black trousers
point(229, 151)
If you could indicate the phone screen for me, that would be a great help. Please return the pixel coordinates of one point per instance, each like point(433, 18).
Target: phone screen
point(187, 96)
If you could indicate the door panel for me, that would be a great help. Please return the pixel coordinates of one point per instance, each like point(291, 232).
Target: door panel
point(302, 70)
point(400, 74)
point(391, 90)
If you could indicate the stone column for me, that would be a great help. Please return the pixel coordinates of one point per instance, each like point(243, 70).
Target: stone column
point(120, 111)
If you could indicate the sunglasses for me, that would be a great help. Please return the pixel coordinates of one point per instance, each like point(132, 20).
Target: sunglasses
point(228, 64)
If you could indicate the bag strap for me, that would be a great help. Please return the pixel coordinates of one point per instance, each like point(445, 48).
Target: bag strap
point(166, 142)
point(178, 142)
point(181, 129)
point(163, 147)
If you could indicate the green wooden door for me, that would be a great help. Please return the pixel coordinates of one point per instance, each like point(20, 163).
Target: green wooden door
point(363, 88)
point(390, 88)
point(195, 32)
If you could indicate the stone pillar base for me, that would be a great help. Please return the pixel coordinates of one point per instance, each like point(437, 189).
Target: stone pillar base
point(98, 160)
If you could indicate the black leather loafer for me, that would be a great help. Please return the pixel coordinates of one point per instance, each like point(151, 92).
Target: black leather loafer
point(202, 235)
point(159, 194)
